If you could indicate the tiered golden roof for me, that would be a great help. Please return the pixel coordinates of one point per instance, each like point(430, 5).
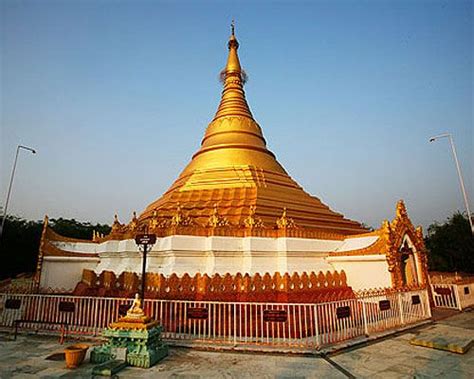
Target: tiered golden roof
point(236, 174)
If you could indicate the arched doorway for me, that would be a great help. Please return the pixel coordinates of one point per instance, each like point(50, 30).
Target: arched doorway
point(408, 265)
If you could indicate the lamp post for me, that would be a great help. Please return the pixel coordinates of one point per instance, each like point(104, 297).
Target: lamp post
point(461, 181)
point(18, 148)
point(143, 241)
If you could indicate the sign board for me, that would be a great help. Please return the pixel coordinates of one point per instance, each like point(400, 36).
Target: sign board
point(275, 315)
point(198, 313)
point(12, 304)
point(67, 306)
point(145, 239)
point(123, 308)
point(384, 305)
point(443, 291)
point(343, 312)
point(415, 299)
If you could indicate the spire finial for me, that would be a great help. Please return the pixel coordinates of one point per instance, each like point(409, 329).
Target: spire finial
point(233, 77)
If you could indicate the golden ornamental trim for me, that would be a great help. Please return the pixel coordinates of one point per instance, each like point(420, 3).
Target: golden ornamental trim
point(400, 226)
point(180, 219)
point(285, 222)
point(117, 227)
point(132, 226)
point(216, 220)
point(253, 221)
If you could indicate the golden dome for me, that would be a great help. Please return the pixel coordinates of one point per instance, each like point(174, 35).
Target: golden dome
point(235, 172)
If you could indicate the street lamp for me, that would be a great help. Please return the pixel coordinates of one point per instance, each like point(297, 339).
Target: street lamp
point(143, 241)
point(18, 148)
point(461, 181)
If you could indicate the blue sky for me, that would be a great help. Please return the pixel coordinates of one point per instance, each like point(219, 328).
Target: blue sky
point(116, 95)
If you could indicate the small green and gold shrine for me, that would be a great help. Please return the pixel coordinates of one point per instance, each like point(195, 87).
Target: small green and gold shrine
point(137, 334)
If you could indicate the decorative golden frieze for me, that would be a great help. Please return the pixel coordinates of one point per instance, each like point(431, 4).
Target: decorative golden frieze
point(117, 227)
point(180, 219)
point(305, 287)
point(133, 225)
point(252, 221)
point(285, 222)
point(216, 220)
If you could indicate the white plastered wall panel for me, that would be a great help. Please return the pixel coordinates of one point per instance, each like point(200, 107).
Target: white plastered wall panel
point(364, 271)
point(64, 272)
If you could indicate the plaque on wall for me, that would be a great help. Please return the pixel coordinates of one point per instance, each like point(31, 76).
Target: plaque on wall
point(12, 304)
point(123, 308)
point(415, 299)
point(343, 312)
point(384, 305)
point(198, 313)
point(145, 239)
point(67, 306)
point(275, 315)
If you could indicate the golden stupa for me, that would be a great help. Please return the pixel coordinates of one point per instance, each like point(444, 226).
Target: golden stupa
point(235, 176)
point(232, 189)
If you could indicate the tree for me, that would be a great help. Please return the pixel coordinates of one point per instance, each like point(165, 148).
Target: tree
point(19, 246)
point(21, 238)
point(451, 245)
point(77, 229)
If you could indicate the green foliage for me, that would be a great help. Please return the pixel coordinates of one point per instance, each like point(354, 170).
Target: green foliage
point(20, 241)
point(19, 246)
point(77, 229)
point(451, 245)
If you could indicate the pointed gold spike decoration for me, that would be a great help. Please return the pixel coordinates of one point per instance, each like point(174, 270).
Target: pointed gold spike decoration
point(252, 221)
point(285, 222)
point(179, 218)
point(215, 219)
point(134, 223)
point(233, 100)
point(154, 220)
point(116, 226)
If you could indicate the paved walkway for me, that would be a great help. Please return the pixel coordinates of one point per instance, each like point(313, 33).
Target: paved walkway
point(392, 357)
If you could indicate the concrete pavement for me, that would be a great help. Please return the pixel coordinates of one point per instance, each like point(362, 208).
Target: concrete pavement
point(391, 357)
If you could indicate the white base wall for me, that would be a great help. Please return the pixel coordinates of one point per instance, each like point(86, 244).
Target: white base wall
point(220, 255)
point(364, 271)
point(64, 272)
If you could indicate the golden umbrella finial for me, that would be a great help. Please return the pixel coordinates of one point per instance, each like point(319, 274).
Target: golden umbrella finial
point(233, 77)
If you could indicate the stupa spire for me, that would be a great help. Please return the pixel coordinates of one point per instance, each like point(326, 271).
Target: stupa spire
point(233, 102)
point(234, 170)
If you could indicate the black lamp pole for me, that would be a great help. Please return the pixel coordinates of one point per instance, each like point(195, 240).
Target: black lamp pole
point(144, 240)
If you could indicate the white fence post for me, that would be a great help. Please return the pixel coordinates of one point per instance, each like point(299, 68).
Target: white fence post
point(455, 289)
point(427, 303)
point(364, 313)
point(316, 325)
point(235, 324)
point(400, 307)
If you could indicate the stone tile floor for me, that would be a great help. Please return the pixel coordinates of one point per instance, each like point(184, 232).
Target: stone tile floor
point(391, 357)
